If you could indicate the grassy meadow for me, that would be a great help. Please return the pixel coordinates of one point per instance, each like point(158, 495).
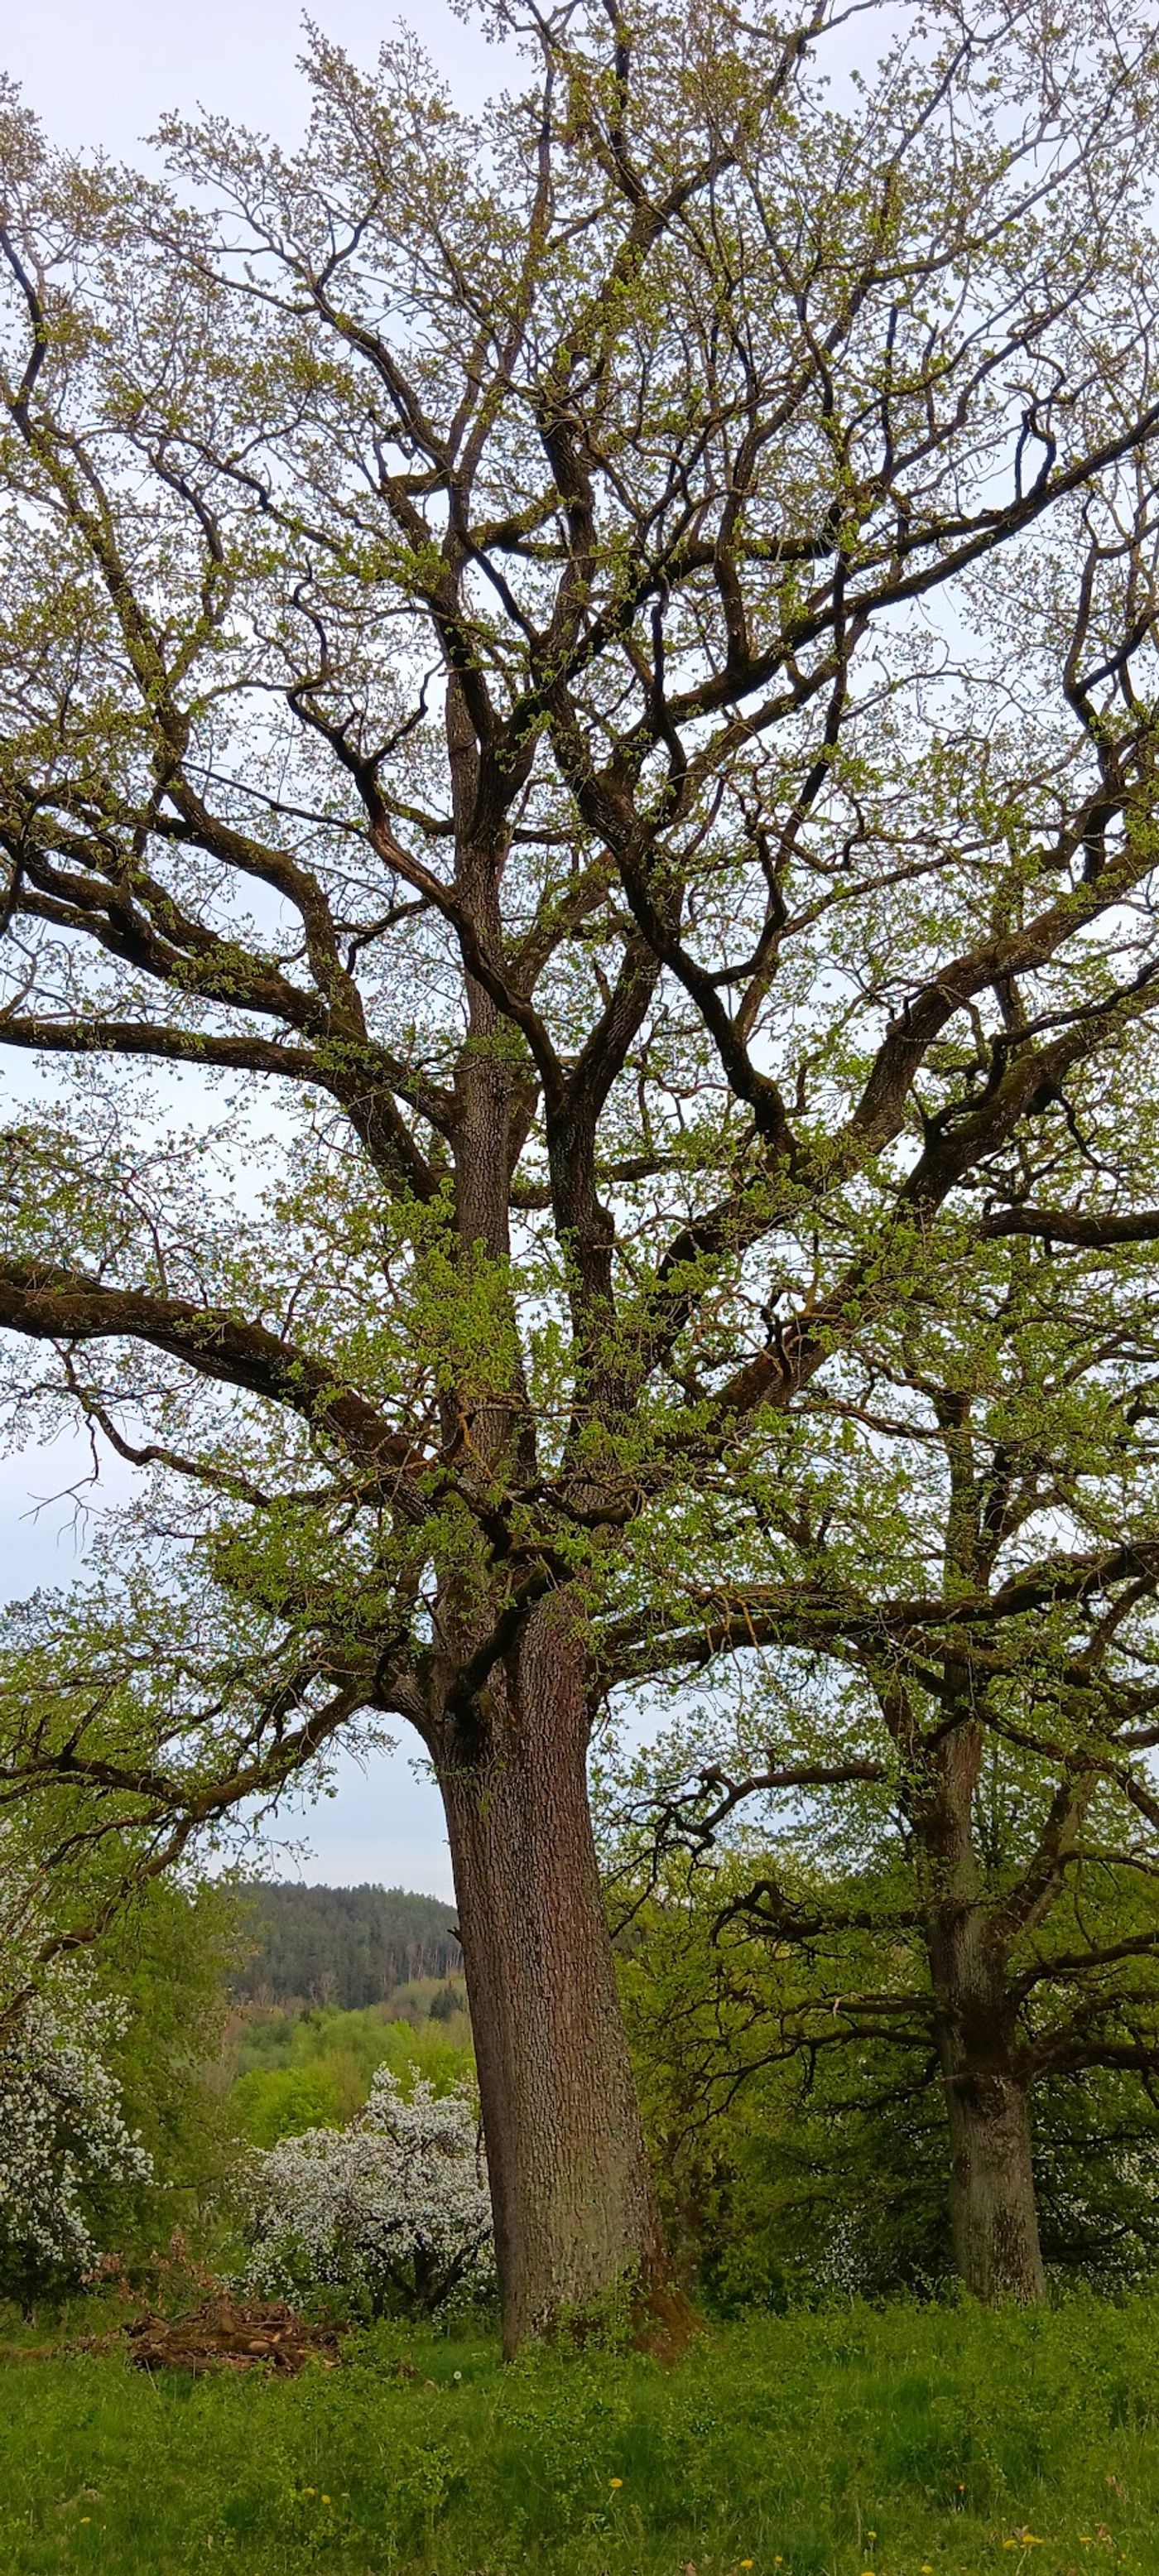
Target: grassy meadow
point(902, 2442)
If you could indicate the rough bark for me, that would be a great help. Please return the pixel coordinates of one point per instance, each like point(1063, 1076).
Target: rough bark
point(575, 2212)
point(992, 2202)
point(993, 2210)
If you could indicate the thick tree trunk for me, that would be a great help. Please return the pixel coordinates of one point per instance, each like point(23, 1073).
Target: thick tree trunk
point(575, 2212)
point(993, 2212)
point(992, 2203)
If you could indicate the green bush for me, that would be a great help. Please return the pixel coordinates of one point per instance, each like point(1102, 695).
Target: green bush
point(310, 2070)
point(168, 1959)
point(285, 2100)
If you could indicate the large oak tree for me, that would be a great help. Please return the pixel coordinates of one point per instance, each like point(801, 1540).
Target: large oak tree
point(594, 664)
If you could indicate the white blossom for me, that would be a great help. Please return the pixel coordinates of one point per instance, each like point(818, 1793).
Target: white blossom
point(61, 2131)
point(395, 2205)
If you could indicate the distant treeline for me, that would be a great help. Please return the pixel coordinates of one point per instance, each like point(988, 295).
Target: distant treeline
point(348, 1946)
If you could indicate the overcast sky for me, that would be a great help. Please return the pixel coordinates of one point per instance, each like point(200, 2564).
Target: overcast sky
point(104, 71)
point(101, 73)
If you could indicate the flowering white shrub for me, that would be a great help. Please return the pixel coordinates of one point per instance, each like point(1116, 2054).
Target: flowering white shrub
point(61, 2133)
point(395, 2205)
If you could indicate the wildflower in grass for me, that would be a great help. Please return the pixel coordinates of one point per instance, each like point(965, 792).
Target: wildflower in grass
point(615, 2482)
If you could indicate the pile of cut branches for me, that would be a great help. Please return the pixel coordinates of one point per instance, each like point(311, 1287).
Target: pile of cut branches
point(230, 2334)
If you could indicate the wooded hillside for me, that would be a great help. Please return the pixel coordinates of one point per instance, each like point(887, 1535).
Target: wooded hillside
point(344, 1945)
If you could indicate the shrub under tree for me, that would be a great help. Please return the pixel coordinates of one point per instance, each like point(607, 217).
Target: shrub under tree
point(64, 2140)
point(394, 2206)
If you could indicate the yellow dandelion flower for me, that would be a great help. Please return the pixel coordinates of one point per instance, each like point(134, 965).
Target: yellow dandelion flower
point(326, 2499)
point(615, 2482)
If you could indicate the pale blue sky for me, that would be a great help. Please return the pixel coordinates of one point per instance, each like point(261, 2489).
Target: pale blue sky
point(102, 75)
point(103, 71)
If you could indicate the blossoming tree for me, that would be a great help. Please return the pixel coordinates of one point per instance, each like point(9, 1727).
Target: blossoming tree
point(395, 2204)
point(62, 2134)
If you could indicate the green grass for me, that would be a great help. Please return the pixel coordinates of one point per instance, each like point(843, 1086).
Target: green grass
point(814, 2445)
